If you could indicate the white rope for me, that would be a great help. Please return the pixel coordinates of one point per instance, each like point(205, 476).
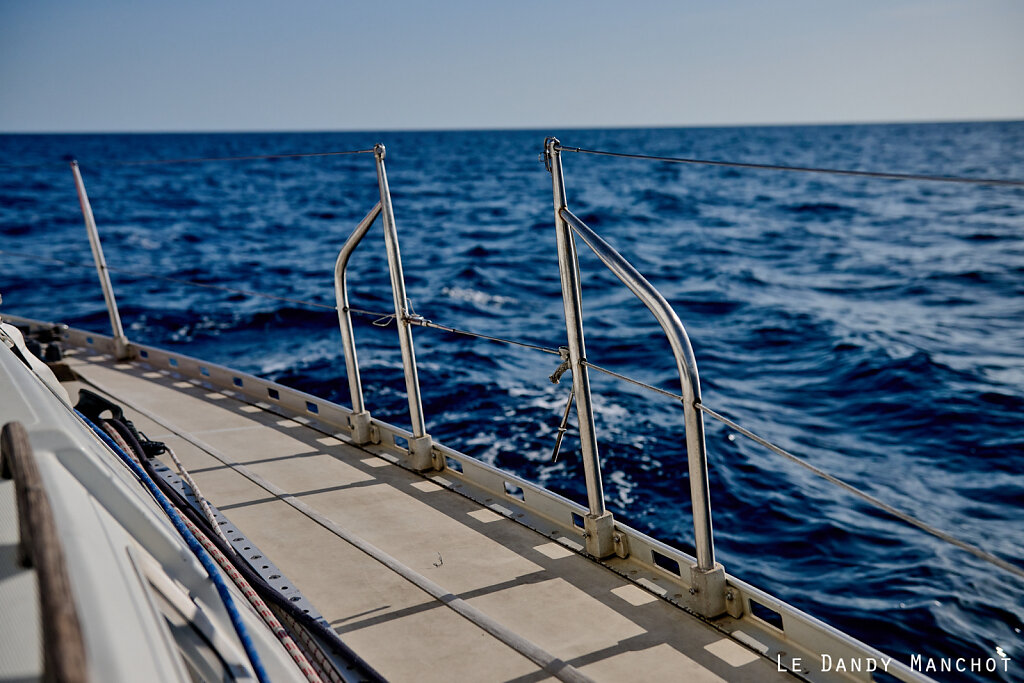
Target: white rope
point(207, 510)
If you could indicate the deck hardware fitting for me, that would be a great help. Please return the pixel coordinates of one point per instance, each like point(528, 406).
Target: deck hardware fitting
point(361, 428)
point(708, 590)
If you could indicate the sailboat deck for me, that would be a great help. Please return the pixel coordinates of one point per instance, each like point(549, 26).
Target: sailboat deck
point(296, 492)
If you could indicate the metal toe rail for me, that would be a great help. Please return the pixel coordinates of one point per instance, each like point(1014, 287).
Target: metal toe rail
point(689, 380)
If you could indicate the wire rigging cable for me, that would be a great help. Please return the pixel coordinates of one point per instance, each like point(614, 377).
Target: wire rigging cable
point(164, 278)
point(902, 516)
point(421, 322)
point(1009, 182)
point(885, 507)
point(250, 157)
point(188, 160)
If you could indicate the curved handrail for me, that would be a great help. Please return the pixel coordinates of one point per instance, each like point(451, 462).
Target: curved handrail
point(687, 366)
point(421, 452)
point(355, 386)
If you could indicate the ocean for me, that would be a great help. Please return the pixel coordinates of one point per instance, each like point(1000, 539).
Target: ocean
point(873, 327)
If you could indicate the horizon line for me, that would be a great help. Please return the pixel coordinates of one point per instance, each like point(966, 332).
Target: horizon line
point(445, 129)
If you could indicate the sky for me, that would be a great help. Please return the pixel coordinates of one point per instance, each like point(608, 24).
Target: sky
point(227, 65)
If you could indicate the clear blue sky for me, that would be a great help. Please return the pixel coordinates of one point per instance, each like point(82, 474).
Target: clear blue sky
point(114, 65)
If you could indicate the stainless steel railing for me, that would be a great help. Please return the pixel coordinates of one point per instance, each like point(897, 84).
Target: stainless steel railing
point(420, 445)
point(598, 524)
point(602, 540)
point(120, 340)
point(360, 420)
point(421, 449)
point(708, 577)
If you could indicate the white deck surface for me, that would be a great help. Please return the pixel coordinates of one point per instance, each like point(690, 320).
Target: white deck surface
point(575, 609)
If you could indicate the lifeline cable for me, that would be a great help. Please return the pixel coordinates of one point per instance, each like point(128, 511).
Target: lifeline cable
point(164, 278)
point(193, 160)
point(193, 545)
point(421, 322)
point(898, 514)
point(1008, 182)
point(885, 507)
point(250, 157)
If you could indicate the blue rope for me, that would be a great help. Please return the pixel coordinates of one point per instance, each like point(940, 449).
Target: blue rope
point(197, 549)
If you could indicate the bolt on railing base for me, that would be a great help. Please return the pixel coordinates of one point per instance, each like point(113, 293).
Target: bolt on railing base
point(421, 454)
point(707, 591)
point(123, 349)
point(361, 424)
point(599, 532)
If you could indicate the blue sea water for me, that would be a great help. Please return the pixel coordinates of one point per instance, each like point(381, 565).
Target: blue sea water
point(875, 327)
